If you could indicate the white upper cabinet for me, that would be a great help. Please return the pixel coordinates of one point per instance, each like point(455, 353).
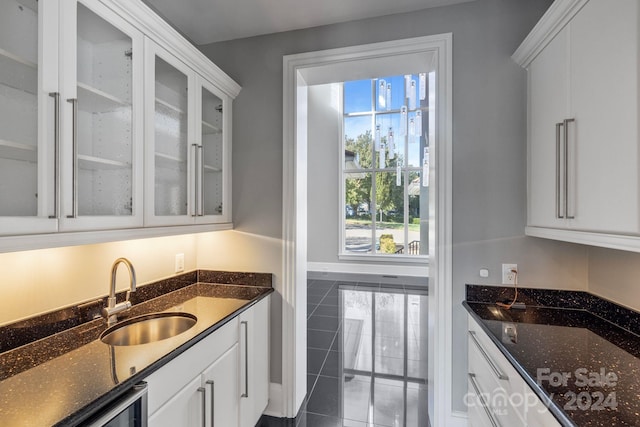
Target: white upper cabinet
point(188, 147)
point(102, 94)
point(213, 154)
point(28, 133)
point(170, 139)
point(548, 88)
point(583, 184)
point(109, 120)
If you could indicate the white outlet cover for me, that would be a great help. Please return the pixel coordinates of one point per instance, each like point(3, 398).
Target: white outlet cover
point(179, 263)
point(509, 278)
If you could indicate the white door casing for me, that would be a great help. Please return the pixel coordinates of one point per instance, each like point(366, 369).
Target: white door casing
point(299, 71)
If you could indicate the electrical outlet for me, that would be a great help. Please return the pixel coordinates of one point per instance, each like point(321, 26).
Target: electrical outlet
point(508, 274)
point(179, 263)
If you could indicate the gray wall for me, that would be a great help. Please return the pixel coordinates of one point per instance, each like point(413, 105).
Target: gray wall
point(489, 134)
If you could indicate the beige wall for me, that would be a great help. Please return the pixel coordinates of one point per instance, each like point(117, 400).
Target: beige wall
point(38, 281)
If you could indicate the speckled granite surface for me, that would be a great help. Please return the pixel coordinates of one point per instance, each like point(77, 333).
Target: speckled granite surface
point(563, 336)
point(70, 373)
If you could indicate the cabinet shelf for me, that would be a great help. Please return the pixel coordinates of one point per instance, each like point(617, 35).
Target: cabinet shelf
point(170, 106)
point(211, 169)
point(97, 163)
point(170, 162)
point(8, 55)
point(209, 129)
point(18, 73)
point(18, 151)
point(96, 101)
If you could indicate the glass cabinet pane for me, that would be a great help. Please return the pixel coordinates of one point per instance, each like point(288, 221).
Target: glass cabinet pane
point(171, 140)
point(105, 117)
point(212, 152)
point(18, 108)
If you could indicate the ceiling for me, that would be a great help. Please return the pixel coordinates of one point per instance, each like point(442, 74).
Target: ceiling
point(208, 21)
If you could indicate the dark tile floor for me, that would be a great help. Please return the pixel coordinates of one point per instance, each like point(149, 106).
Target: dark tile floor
point(366, 357)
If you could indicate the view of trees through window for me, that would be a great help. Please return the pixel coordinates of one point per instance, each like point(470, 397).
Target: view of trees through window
point(385, 124)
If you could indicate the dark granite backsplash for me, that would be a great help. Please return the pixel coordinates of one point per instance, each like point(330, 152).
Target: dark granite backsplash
point(236, 278)
point(30, 330)
point(578, 300)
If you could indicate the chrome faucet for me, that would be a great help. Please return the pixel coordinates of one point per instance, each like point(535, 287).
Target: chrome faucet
point(112, 309)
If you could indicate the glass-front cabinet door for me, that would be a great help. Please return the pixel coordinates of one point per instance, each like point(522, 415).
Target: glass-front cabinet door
point(102, 119)
point(188, 155)
point(171, 151)
point(213, 159)
point(28, 114)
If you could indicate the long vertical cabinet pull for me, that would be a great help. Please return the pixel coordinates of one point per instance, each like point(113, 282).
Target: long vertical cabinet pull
point(195, 181)
point(56, 155)
point(481, 397)
point(558, 187)
point(201, 180)
point(566, 167)
point(246, 358)
point(74, 150)
point(203, 393)
point(213, 399)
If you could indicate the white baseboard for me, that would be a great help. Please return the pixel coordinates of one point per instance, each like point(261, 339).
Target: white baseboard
point(319, 269)
point(275, 406)
point(458, 419)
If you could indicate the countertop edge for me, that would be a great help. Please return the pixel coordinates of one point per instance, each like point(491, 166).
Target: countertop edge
point(94, 407)
point(557, 412)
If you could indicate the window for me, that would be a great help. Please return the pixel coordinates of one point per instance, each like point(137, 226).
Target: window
point(386, 162)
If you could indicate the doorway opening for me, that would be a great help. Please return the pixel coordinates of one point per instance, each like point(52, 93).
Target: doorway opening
point(303, 71)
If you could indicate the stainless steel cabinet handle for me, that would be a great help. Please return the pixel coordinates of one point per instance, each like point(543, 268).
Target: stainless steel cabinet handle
point(246, 358)
point(74, 149)
point(566, 167)
point(194, 147)
point(476, 389)
point(201, 169)
point(203, 393)
point(213, 399)
point(501, 375)
point(56, 154)
point(558, 132)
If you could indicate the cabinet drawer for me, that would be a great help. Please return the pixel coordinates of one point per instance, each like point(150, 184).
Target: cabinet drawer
point(477, 414)
point(494, 369)
point(496, 392)
point(172, 377)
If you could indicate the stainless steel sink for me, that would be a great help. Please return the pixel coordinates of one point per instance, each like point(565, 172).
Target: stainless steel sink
point(148, 328)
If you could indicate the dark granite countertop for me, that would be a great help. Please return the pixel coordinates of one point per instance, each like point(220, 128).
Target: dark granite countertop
point(65, 378)
point(579, 360)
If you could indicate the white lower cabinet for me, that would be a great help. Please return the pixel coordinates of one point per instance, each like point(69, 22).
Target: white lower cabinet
point(497, 394)
point(222, 381)
point(201, 382)
point(183, 409)
point(254, 363)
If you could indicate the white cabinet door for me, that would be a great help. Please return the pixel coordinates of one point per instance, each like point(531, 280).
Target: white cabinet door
point(29, 91)
point(170, 141)
point(102, 99)
point(213, 166)
point(220, 381)
point(254, 363)
point(185, 409)
point(583, 175)
point(548, 103)
point(604, 103)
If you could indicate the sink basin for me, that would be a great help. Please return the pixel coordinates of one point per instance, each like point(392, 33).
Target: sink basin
point(148, 328)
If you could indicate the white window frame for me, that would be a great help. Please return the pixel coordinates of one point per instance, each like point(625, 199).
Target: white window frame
point(350, 256)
